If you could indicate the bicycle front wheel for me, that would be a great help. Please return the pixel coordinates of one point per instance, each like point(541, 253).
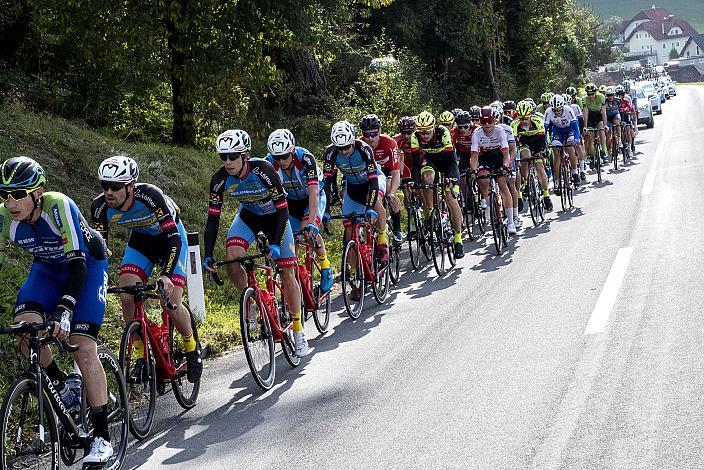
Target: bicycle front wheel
point(285, 320)
point(186, 392)
point(321, 316)
point(380, 286)
point(352, 280)
point(141, 386)
point(534, 199)
point(414, 237)
point(496, 222)
point(468, 209)
point(564, 185)
point(257, 339)
point(28, 440)
point(118, 406)
point(437, 242)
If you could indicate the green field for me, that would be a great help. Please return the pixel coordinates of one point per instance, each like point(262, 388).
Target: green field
point(691, 11)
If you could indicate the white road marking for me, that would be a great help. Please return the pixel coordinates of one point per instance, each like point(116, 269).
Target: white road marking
point(605, 303)
point(662, 147)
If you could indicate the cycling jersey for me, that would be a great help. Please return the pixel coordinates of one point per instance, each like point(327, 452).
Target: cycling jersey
point(530, 135)
point(593, 104)
point(626, 106)
point(462, 142)
point(386, 154)
point(440, 142)
point(358, 169)
point(404, 146)
point(612, 107)
point(577, 110)
point(563, 128)
point(305, 173)
point(490, 148)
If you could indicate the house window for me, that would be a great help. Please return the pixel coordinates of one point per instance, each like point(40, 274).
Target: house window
point(698, 52)
point(678, 44)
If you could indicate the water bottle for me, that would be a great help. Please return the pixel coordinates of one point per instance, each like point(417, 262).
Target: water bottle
point(73, 384)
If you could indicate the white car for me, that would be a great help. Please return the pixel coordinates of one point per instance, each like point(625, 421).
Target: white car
point(653, 95)
point(645, 111)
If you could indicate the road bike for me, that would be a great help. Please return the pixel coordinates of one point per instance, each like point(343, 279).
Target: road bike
point(314, 302)
point(265, 318)
point(564, 184)
point(394, 247)
point(473, 215)
point(152, 357)
point(37, 429)
point(441, 240)
point(417, 235)
point(598, 157)
point(534, 190)
point(499, 229)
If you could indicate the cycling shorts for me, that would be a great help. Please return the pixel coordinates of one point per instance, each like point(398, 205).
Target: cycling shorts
point(357, 196)
point(492, 160)
point(245, 227)
point(44, 287)
point(562, 135)
point(594, 119)
point(144, 251)
point(611, 119)
point(626, 118)
point(463, 161)
point(299, 208)
point(445, 165)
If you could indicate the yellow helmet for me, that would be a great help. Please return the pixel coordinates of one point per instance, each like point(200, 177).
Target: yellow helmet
point(524, 109)
point(446, 118)
point(425, 121)
point(602, 89)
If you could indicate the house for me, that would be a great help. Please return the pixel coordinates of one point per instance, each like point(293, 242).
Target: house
point(657, 31)
point(694, 47)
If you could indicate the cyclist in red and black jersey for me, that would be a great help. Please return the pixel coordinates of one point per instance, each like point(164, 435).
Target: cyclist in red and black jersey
point(385, 151)
point(406, 127)
point(628, 113)
point(462, 139)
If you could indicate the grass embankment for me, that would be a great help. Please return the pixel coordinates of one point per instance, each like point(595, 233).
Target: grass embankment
point(70, 155)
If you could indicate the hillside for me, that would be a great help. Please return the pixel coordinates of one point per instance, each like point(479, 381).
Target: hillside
point(689, 10)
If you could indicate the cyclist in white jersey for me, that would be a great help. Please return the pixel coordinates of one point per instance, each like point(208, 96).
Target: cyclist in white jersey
point(562, 125)
point(498, 109)
point(581, 153)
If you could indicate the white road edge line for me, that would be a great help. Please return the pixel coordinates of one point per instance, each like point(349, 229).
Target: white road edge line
point(649, 182)
point(605, 303)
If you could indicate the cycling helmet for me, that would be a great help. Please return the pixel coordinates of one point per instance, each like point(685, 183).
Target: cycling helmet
point(475, 112)
point(567, 98)
point(627, 86)
point(498, 106)
point(524, 109)
point(590, 88)
point(456, 111)
point(546, 97)
point(610, 91)
point(557, 102)
point(342, 134)
point(496, 112)
point(425, 121)
point(406, 123)
point(620, 90)
point(21, 173)
point(509, 105)
point(446, 118)
point(281, 142)
point(369, 122)
point(602, 89)
point(233, 141)
point(572, 91)
point(118, 169)
point(486, 115)
point(463, 117)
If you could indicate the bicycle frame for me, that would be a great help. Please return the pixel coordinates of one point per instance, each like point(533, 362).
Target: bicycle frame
point(304, 273)
point(265, 297)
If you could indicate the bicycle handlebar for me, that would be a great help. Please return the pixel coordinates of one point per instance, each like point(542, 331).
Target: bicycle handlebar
point(304, 234)
point(24, 327)
point(139, 288)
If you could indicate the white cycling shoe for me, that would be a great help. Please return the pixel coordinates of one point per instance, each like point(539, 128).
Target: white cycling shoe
point(301, 343)
point(511, 229)
point(100, 451)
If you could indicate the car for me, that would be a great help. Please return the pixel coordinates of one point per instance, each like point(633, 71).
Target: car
point(652, 94)
point(645, 111)
point(669, 86)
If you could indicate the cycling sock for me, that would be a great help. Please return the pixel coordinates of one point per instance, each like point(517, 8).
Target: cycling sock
point(546, 193)
point(582, 165)
point(56, 375)
point(138, 352)
point(396, 220)
point(297, 325)
point(324, 260)
point(189, 342)
point(458, 237)
point(381, 238)
point(100, 421)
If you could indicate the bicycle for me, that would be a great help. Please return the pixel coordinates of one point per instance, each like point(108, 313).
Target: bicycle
point(264, 320)
point(612, 144)
point(625, 144)
point(314, 302)
point(163, 357)
point(394, 248)
point(535, 191)
point(359, 253)
point(417, 234)
point(499, 228)
point(565, 186)
point(441, 235)
point(470, 202)
point(43, 430)
point(598, 156)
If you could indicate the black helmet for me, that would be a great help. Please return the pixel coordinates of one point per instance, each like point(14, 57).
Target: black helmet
point(475, 112)
point(370, 121)
point(463, 117)
point(509, 105)
point(456, 111)
point(21, 173)
point(407, 123)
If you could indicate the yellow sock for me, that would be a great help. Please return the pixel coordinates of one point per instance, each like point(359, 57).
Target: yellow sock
point(297, 325)
point(189, 342)
point(324, 260)
point(546, 193)
point(138, 351)
point(381, 238)
point(458, 237)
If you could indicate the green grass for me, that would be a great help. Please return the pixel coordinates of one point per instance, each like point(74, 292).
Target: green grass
point(691, 11)
point(70, 154)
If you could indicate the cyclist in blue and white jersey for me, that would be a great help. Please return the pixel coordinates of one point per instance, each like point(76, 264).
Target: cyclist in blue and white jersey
point(562, 125)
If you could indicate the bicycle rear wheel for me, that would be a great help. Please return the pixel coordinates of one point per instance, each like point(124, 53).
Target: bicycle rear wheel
point(141, 393)
point(394, 257)
point(564, 184)
point(496, 223)
point(414, 237)
point(437, 242)
point(380, 285)
point(533, 199)
point(599, 158)
point(257, 339)
point(22, 430)
point(185, 391)
point(468, 209)
point(614, 150)
point(352, 280)
point(118, 406)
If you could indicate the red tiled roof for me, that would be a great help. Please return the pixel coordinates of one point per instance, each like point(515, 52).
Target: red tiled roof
point(656, 28)
point(653, 14)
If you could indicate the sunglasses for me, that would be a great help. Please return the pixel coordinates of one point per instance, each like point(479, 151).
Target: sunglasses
point(428, 132)
point(370, 134)
point(14, 194)
point(344, 148)
point(591, 93)
point(487, 121)
point(406, 132)
point(112, 185)
point(463, 126)
point(230, 156)
point(282, 157)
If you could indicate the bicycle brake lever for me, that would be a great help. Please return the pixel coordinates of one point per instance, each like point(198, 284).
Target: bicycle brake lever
point(164, 298)
point(217, 279)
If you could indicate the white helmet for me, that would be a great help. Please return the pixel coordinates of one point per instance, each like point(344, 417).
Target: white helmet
point(567, 98)
point(342, 134)
point(233, 141)
point(281, 142)
point(119, 169)
point(557, 102)
point(498, 106)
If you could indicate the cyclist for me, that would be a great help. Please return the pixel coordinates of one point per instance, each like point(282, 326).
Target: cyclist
point(385, 151)
point(436, 142)
point(562, 125)
point(627, 112)
point(475, 113)
point(612, 106)
point(633, 98)
point(576, 99)
point(447, 119)
point(544, 102)
point(364, 180)
point(263, 208)
point(156, 236)
point(530, 134)
point(497, 107)
point(462, 139)
point(509, 111)
point(490, 154)
point(581, 154)
point(594, 116)
point(406, 128)
point(66, 284)
point(303, 182)
point(602, 89)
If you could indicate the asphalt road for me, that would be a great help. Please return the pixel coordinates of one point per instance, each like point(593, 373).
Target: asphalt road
point(579, 348)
